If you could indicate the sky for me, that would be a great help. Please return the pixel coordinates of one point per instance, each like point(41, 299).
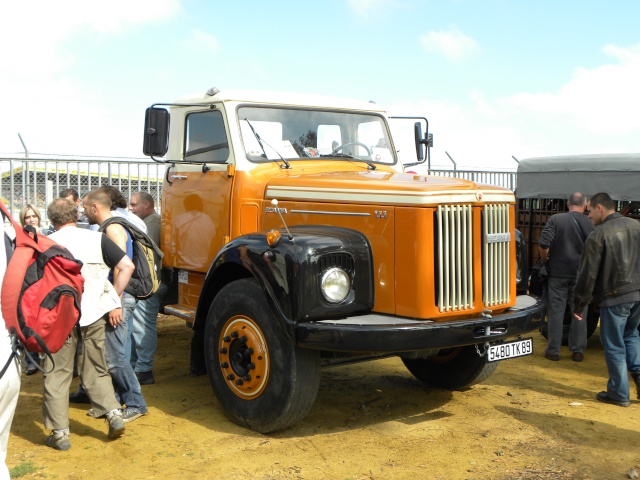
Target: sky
point(496, 79)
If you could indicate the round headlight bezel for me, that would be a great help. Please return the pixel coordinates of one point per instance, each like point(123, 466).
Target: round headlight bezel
point(338, 290)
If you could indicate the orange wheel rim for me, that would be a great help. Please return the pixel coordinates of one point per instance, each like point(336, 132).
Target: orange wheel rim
point(446, 356)
point(244, 357)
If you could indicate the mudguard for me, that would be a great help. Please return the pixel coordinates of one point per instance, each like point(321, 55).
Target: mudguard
point(290, 272)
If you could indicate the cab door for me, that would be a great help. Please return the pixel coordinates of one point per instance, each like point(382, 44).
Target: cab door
point(196, 195)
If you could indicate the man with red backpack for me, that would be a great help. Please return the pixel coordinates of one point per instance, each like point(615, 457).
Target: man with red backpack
point(100, 305)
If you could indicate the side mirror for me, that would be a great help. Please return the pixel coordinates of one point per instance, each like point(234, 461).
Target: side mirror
point(417, 133)
point(156, 132)
point(427, 141)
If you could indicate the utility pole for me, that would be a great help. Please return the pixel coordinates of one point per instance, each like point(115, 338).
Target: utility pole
point(455, 165)
point(26, 150)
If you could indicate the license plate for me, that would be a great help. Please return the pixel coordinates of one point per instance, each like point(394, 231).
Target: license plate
point(505, 351)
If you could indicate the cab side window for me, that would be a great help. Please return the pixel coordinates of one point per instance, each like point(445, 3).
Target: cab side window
point(206, 138)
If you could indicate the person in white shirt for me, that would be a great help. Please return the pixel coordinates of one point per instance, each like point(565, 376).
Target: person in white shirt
point(100, 304)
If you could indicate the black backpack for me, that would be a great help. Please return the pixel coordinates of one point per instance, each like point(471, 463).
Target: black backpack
point(147, 258)
point(538, 279)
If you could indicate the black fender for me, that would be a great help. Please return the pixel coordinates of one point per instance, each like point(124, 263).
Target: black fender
point(522, 275)
point(290, 271)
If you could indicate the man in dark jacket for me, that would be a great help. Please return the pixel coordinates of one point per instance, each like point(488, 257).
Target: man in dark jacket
point(609, 273)
point(560, 245)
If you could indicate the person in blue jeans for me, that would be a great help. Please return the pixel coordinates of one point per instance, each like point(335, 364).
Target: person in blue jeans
point(144, 336)
point(609, 273)
point(97, 204)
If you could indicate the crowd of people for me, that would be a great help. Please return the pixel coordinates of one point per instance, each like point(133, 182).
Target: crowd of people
point(595, 261)
point(113, 350)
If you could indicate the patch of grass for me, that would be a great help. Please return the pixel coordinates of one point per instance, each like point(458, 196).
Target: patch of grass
point(24, 469)
point(166, 454)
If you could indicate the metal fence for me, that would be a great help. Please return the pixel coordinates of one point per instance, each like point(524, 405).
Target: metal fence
point(39, 181)
point(500, 179)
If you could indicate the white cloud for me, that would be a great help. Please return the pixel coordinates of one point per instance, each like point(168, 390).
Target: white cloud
point(49, 108)
point(596, 111)
point(601, 100)
point(202, 41)
point(452, 44)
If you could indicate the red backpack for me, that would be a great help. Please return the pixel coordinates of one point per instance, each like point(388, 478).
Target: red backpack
point(41, 291)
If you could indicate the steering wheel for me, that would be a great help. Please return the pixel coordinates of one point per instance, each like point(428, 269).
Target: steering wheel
point(341, 147)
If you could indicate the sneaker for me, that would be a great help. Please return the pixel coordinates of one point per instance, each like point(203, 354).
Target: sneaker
point(59, 439)
point(552, 356)
point(116, 424)
point(146, 378)
point(129, 415)
point(605, 398)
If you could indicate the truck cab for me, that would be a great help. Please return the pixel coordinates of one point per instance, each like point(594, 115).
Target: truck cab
point(299, 242)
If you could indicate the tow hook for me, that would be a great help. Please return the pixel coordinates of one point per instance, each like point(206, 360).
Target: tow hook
point(488, 331)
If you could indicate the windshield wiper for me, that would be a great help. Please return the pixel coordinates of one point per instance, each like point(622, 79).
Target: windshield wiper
point(370, 165)
point(260, 142)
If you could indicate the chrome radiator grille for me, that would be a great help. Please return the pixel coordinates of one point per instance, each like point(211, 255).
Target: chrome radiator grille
point(496, 240)
point(454, 272)
point(454, 247)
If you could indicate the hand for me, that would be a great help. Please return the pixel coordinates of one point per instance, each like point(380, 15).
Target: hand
point(579, 317)
point(115, 317)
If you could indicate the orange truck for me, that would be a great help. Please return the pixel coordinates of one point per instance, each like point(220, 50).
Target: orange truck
point(299, 241)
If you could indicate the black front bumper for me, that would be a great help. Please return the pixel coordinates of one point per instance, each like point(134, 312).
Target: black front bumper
point(387, 334)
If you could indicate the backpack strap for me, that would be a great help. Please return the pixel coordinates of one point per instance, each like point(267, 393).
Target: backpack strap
point(45, 350)
point(135, 232)
point(583, 237)
point(13, 354)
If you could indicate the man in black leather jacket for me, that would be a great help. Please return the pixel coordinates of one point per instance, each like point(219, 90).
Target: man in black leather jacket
point(609, 273)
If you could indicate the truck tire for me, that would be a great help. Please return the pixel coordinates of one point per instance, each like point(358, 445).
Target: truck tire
point(261, 380)
point(593, 317)
point(453, 368)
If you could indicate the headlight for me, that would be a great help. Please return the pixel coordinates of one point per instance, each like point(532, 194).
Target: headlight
point(335, 285)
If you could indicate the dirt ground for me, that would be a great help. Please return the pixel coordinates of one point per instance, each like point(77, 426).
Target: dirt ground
point(531, 419)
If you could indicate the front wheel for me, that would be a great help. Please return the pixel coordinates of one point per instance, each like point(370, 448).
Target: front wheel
point(261, 380)
point(452, 368)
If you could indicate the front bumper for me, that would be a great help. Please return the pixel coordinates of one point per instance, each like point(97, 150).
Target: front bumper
point(376, 333)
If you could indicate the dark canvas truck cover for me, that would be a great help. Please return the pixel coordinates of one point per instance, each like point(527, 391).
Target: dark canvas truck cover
point(618, 174)
point(545, 183)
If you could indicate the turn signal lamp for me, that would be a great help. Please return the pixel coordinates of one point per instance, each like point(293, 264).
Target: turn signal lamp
point(273, 237)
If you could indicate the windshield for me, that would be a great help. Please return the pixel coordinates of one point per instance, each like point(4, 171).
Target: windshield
point(272, 133)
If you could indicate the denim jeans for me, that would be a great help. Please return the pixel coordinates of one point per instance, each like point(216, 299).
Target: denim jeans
point(125, 382)
point(621, 342)
point(144, 335)
point(559, 295)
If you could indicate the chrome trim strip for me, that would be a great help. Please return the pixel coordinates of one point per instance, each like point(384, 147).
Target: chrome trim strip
point(321, 212)
point(384, 197)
